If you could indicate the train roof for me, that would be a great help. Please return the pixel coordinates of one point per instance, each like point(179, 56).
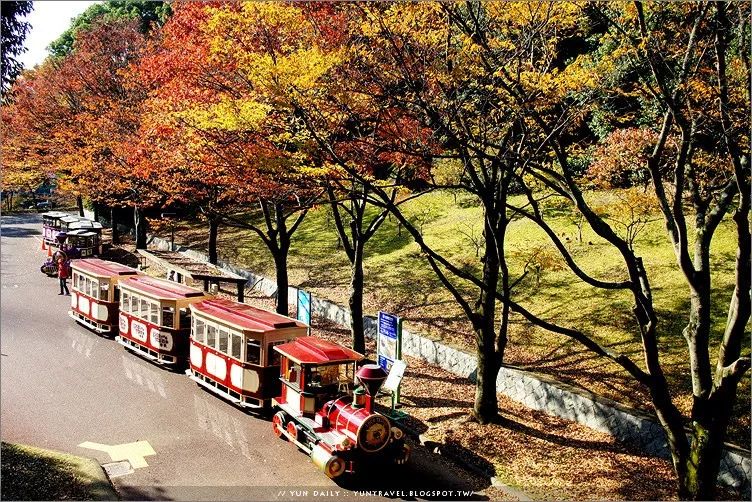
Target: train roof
point(314, 350)
point(82, 232)
point(70, 218)
point(244, 316)
point(83, 224)
point(54, 214)
point(102, 268)
point(160, 288)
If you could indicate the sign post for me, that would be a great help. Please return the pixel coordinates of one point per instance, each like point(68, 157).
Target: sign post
point(389, 354)
point(303, 310)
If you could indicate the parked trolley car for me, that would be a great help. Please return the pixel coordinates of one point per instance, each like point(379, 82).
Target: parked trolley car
point(321, 413)
point(155, 318)
point(86, 235)
point(86, 242)
point(51, 226)
point(95, 296)
point(231, 350)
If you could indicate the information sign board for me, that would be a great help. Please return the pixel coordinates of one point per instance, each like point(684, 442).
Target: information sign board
point(389, 346)
point(304, 307)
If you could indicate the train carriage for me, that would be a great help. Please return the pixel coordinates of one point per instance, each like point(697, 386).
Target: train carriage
point(232, 352)
point(87, 235)
point(155, 318)
point(51, 226)
point(95, 294)
point(86, 242)
point(321, 414)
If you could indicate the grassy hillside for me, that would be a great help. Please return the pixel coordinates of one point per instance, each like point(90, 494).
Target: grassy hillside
point(399, 280)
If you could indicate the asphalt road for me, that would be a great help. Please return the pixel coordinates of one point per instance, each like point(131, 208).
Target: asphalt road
point(63, 385)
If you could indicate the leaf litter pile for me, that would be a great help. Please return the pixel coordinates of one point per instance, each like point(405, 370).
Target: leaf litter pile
point(544, 456)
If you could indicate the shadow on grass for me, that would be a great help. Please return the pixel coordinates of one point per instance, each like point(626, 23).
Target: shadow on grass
point(31, 474)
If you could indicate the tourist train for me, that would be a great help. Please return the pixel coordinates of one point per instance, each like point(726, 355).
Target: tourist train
point(256, 359)
point(69, 233)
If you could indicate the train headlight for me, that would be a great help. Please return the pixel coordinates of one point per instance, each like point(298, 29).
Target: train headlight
point(373, 433)
point(345, 443)
point(397, 433)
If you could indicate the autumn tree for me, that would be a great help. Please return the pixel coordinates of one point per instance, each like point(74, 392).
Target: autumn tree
point(697, 76)
point(211, 72)
point(521, 114)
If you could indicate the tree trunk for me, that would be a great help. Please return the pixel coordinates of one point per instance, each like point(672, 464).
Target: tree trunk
point(140, 223)
point(280, 267)
point(213, 230)
point(486, 408)
point(114, 224)
point(356, 300)
point(96, 211)
point(700, 476)
point(80, 204)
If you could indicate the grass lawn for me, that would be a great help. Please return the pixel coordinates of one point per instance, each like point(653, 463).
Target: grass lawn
point(400, 281)
point(30, 473)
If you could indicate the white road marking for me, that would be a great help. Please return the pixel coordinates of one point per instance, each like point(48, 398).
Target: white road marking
point(132, 452)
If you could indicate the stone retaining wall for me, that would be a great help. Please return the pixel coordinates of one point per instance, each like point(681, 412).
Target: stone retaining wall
point(534, 390)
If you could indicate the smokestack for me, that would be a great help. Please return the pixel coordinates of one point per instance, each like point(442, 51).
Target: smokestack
point(371, 376)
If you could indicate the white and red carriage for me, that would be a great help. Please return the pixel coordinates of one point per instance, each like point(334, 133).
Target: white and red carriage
point(155, 318)
point(95, 295)
point(321, 413)
point(232, 352)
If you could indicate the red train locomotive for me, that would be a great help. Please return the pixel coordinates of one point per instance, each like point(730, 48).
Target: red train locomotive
point(95, 296)
point(155, 318)
point(231, 350)
point(321, 413)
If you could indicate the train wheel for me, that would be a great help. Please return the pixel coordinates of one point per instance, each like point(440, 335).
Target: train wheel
point(279, 423)
point(293, 431)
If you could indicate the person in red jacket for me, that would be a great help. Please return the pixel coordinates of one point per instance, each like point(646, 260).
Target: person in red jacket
point(63, 271)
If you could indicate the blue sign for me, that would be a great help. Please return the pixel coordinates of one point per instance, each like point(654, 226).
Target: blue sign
point(389, 337)
point(304, 307)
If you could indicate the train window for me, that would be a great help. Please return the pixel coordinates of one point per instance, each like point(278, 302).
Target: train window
point(104, 292)
point(87, 287)
point(235, 345)
point(199, 332)
point(211, 336)
point(323, 376)
point(294, 373)
point(185, 318)
point(125, 305)
point(154, 313)
point(168, 317)
point(222, 335)
point(253, 351)
point(144, 309)
point(134, 305)
point(347, 372)
point(273, 357)
point(75, 280)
